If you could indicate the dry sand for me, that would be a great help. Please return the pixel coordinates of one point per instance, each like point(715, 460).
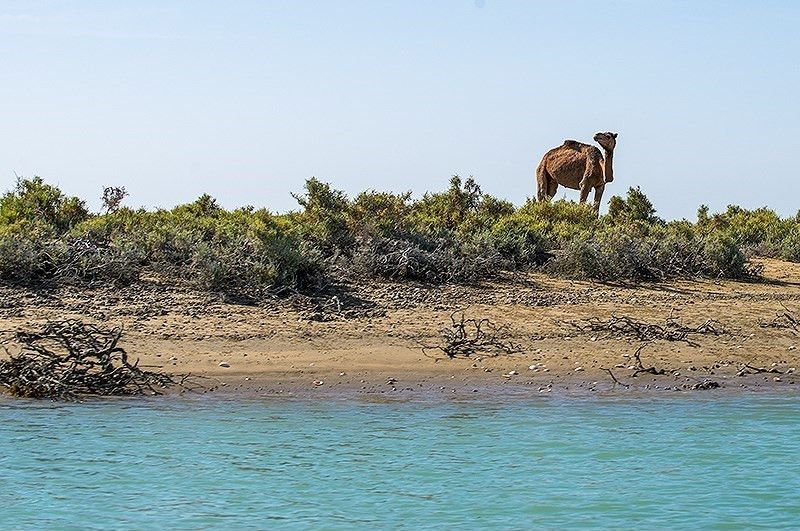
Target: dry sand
point(273, 349)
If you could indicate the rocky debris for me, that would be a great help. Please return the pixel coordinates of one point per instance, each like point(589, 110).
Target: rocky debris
point(335, 303)
point(705, 385)
point(747, 368)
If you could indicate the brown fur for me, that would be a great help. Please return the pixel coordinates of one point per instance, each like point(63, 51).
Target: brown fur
point(578, 166)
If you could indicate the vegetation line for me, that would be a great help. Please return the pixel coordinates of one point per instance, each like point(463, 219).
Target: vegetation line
point(458, 235)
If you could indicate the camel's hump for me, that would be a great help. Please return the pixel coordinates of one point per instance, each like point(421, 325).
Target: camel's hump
point(573, 144)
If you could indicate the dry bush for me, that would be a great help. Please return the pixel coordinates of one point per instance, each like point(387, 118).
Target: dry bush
point(69, 359)
point(466, 337)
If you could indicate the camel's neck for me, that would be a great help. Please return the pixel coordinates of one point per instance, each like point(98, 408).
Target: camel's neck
point(608, 165)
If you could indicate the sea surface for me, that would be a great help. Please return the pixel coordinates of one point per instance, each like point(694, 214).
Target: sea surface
point(686, 461)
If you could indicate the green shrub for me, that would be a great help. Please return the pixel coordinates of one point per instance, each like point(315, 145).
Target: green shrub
point(761, 231)
point(32, 200)
point(561, 220)
point(323, 219)
point(448, 210)
point(523, 241)
point(27, 255)
point(790, 246)
point(245, 251)
point(636, 208)
point(246, 266)
point(380, 213)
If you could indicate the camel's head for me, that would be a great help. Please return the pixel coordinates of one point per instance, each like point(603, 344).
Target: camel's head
point(607, 140)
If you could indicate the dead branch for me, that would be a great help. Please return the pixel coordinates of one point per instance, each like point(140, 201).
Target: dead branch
point(68, 359)
point(615, 378)
point(640, 368)
point(466, 337)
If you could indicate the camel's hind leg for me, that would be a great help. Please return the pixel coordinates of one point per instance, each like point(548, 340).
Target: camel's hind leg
point(543, 181)
point(552, 187)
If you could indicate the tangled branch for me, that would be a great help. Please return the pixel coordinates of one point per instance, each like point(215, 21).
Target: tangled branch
point(466, 337)
point(785, 319)
point(67, 359)
point(627, 327)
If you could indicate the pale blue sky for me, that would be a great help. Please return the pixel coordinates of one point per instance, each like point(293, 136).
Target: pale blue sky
point(244, 100)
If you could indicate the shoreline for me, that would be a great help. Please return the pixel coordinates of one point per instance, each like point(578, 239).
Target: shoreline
point(428, 391)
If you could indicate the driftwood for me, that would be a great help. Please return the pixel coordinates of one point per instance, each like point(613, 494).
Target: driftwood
point(639, 368)
point(68, 359)
point(627, 327)
point(466, 337)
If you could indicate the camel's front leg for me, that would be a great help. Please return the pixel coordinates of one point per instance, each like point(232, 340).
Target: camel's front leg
point(585, 188)
point(598, 196)
point(591, 174)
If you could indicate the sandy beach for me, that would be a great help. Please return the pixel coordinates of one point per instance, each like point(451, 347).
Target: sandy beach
point(373, 342)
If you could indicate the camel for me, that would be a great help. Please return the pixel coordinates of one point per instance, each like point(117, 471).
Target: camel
point(578, 166)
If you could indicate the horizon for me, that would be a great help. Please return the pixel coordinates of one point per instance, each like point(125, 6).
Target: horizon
point(247, 101)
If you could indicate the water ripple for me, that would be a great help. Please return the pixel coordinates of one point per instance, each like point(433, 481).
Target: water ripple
point(249, 464)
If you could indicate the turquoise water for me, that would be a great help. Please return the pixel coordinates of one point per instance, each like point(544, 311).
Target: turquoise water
point(720, 461)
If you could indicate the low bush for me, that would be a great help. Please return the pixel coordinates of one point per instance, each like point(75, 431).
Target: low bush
point(761, 231)
point(612, 255)
point(437, 262)
point(31, 259)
